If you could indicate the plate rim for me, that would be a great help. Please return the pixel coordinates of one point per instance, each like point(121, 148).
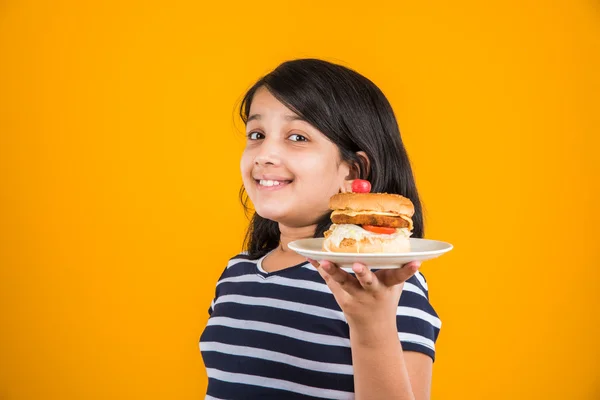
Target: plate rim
point(449, 247)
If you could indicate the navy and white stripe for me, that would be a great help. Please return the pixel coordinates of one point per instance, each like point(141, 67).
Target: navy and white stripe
point(282, 335)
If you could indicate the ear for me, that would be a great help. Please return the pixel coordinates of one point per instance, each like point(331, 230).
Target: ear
point(362, 170)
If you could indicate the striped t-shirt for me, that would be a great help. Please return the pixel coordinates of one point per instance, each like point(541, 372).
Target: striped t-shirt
point(282, 335)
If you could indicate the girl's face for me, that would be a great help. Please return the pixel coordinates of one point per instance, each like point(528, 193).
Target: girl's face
point(289, 168)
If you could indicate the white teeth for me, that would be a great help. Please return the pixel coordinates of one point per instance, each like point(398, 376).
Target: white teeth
point(264, 182)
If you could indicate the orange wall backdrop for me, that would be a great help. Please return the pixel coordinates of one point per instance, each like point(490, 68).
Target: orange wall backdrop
point(119, 155)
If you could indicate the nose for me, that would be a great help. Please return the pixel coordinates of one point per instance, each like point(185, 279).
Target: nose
point(269, 154)
point(260, 160)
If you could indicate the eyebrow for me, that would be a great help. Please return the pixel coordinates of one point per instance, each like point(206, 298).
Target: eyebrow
point(288, 117)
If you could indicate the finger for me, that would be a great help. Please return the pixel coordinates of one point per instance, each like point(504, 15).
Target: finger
point(320, 270)
point(333, 285)
point(367, 279)
point(341, 277)
point(396, 276)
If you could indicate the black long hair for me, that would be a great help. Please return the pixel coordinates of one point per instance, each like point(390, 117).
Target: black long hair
point(355, 115)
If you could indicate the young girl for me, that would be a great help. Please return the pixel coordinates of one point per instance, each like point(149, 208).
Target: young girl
point(281, 326)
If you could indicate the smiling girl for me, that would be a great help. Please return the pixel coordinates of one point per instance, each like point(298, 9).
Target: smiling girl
point(281, 326)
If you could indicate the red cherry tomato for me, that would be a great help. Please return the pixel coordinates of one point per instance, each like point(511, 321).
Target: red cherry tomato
point(379, 229)
point(361, 186)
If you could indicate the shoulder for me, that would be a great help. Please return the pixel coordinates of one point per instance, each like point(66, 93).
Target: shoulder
point(239, 264)
point(240, 257)
point(415, 294)
point(418, 284)
point(418, 323)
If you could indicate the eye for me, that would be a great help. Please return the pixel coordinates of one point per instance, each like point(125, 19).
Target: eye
point(297, 138)
point(255, 136)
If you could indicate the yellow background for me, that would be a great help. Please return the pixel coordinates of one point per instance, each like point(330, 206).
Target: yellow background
point(119, 154)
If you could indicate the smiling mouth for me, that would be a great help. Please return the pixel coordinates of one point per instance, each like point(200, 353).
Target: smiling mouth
point(271, 183)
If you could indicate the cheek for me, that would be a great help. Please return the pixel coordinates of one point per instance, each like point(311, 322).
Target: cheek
point(245, 164)
point(318, 172)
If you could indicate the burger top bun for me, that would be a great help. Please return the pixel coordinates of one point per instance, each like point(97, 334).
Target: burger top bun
point(378, 202)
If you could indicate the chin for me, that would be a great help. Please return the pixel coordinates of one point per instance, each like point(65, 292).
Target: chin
point(271, 212)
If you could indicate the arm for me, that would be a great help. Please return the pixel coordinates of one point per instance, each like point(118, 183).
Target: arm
point(381, 369)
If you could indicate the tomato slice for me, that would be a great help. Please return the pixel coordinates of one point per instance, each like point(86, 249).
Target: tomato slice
point(379, 229)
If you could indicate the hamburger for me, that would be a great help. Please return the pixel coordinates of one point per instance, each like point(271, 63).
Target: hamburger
point(369, 223)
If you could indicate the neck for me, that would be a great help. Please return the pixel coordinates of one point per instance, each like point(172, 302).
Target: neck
point(289, 234)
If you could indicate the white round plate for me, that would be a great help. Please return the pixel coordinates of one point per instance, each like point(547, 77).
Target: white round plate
point(421, 250)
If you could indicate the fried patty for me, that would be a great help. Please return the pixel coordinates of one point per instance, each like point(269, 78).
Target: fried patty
point(370, 219)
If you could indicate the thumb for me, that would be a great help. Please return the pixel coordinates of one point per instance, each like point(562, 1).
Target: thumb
point(392, 277)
